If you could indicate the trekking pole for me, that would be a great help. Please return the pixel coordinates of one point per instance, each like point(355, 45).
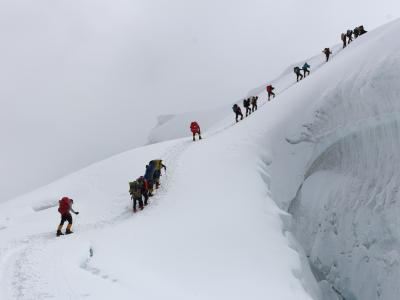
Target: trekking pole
point(76, 221)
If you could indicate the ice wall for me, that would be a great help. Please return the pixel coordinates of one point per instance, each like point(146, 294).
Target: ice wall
point(346, 212)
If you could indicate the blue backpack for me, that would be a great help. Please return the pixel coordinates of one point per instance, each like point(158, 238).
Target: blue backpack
point(150, 169)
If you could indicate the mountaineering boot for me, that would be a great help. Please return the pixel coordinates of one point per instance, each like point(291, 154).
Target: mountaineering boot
point(199, 137)
point(59, 230)
point(194, 139)
point(68, 231)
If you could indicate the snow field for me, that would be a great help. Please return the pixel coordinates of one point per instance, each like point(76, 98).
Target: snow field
point(218, 226)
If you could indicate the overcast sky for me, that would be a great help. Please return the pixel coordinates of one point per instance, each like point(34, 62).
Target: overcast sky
point(82, 80)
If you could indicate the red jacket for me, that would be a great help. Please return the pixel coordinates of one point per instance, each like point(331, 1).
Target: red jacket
point(194, 127)
point(269, 88)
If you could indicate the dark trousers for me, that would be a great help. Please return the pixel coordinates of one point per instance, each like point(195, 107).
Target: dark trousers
point(299, 75)
point(248, 110)
point(137, 199)
point(269, 95)
point(66, 217)
point(254, 107)
point(145, 194)
point(306, 72)
point(327, 57)
point(194, 135)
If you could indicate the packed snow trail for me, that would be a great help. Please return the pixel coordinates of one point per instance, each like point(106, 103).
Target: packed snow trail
point(214, 120)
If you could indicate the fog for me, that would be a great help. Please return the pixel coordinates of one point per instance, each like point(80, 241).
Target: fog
point(82, 80)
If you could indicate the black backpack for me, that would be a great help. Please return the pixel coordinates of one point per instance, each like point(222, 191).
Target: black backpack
point(234, 108)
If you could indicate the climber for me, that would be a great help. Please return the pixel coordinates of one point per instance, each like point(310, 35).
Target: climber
point(349, 35)
point(135, 190)
point(195, 128)
point(270, 92)
point(356, 32)
point(246, 105)
point(298, 74)
point(254, 103)
point(344, 40)
point(327, 52)
point(64, 208)
point(158, 165)
point(305, 69)
point(361, 30)
point(238, 112)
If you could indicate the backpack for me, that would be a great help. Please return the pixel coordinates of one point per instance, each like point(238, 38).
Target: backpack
point(148, 175)
point(64, 205)
point(142, 183)
point(296, 70)
point(254, 100)
point(234, 107)
point(349, 32)
point(194, 127)
point(269, 88)
point(135, 188)
point(157, 164)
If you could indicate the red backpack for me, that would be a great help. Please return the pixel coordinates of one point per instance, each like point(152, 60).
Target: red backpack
point(64, 205)
point(269, 88)
point(194, 127)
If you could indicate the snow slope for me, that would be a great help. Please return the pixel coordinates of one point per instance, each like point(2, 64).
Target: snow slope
point(198, 239)
point(324, 149)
